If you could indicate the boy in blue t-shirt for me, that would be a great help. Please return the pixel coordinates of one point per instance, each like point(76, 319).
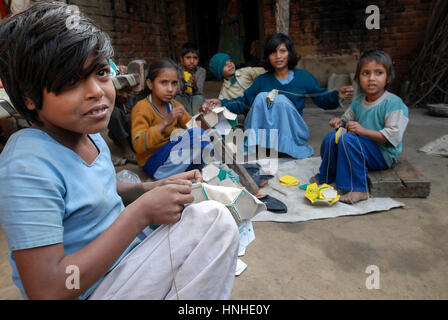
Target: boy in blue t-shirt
point(375, 124)
point(61, 206)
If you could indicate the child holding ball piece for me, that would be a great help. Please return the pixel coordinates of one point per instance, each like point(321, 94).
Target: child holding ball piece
point(375, 124)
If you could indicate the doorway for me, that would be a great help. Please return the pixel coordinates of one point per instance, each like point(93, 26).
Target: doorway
point(204, 22)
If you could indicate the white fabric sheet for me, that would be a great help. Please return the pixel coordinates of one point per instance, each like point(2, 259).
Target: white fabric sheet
point(299, 208)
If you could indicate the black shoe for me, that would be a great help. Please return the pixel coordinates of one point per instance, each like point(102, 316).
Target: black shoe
point(273, 204)
point(254, 170)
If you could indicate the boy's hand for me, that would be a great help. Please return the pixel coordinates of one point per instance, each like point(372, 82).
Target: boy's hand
point(335, 123)
point(164, 204)
point(183, 178)
point(346, 92)
point(187, 176)
point(209, 105)
point(355, 127)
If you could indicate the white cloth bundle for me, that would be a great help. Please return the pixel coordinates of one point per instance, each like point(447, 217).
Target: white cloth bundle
point(240, 202)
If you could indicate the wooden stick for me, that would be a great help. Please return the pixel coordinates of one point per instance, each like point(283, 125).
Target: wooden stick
point(225, 153)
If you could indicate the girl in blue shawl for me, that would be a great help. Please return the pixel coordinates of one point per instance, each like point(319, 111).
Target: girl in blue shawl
point(284, 112)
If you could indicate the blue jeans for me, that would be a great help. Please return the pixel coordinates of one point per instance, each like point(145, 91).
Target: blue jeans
point(347, 163)
point(169, 158)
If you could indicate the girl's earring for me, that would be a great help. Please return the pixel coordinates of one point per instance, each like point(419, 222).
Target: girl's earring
point(30, 105)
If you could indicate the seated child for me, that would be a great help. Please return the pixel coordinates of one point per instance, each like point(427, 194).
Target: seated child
point(235, 81)
point(190, 92)
point(375, 123)
point(61, 207)
point(281, 119)
point(119, 127)
point(154, 121)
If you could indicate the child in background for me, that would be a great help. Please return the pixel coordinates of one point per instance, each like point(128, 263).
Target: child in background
point(61, 207)
point(190, 91)
point(375, 124)
point(156, 117)
point(119, 127)
point(235, 82)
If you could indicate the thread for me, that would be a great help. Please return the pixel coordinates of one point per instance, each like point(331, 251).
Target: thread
point(349, 164)
point(172, 265)
point(304, 95)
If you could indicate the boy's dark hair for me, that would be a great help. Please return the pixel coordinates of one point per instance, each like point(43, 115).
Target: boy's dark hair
point(272, 42)
point(381, 57)
point(189, 47)
point(40, 50)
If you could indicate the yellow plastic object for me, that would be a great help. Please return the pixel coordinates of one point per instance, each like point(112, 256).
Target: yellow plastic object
point(324, 194)
point(312, 192)
point(289, 181)
point(339, 134)
point(187, 77)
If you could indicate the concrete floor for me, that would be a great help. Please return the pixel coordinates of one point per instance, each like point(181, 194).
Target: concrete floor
point(327, 259)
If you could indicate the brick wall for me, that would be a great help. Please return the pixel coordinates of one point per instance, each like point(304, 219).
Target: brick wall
point(178, 24)
point(328, 34)
point(326, 29)
point(139, 29)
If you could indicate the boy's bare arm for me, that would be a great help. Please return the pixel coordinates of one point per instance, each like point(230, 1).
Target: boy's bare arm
point(355, 127)
point(43, 270)
point(130, 192)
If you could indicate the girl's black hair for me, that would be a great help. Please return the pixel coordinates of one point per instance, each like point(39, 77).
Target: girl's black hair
point(272, 42)
point(45, 48)
point(157, 66)
point(381, 57)
point(153, 71)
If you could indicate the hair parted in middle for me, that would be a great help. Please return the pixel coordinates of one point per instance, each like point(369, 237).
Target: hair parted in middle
point(272, 43)
point(158, 65)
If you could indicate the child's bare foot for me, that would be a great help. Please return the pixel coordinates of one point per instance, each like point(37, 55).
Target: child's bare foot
point(354, 196)
point(313, 180)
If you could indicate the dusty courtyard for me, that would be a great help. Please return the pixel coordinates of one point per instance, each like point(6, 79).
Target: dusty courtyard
point(327, 259)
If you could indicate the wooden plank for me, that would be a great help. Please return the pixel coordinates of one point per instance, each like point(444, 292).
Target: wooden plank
point(401, 181)
point(383, 183)
point(415, 183)
point(407, 172)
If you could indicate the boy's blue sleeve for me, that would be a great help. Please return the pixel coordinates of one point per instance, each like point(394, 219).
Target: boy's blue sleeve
point(32, 205)
point(328, 100)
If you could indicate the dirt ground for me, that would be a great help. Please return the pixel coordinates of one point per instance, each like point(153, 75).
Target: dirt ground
point(327, 259)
